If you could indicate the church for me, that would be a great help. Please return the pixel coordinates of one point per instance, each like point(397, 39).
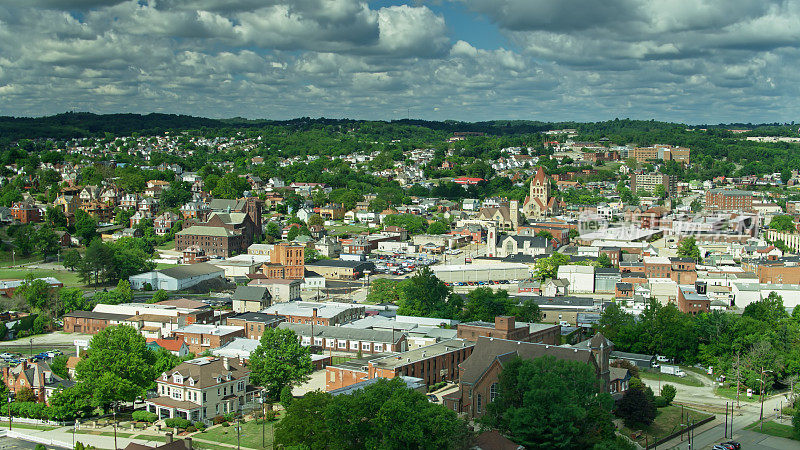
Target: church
point(540, 204)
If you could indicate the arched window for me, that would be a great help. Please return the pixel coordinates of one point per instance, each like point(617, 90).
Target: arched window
point(492, 392)
point(479, 403)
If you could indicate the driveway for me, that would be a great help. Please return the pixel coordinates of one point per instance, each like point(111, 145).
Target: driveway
point(316, 382)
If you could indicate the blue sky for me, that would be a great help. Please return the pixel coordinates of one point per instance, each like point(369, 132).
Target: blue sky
point(691, 61)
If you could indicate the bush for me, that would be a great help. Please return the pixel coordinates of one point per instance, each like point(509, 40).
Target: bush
point(144, 416)
point(272, 415)
point(286, 396)
point(191, 429)
point(40, 447)
point(796, 424)
point(200, 425)
point(218, 420)
point(661, 402)
point(668, 392)
point(225, 424)
point(177, 422)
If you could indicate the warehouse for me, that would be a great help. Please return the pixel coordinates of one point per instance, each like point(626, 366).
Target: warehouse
point(461, 273)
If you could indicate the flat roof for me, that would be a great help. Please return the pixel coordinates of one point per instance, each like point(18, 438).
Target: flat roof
point(421, 353)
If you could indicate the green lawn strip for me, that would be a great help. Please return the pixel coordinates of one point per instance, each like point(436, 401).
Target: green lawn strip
point(120, 434)
point(773, 429)
point(7, 260)
point(668, 420)
point(250, 435)
point(688, 380)
point(165, 265)
point(65, 276)
point(208, 446)
point(27, 426)
point(730, 392)
point(169, 245)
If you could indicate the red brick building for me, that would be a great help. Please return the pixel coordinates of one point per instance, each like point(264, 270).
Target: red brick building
point(90, 322)
point(36, 376)
point(505, 327)
point(729, 199)
point(26, 212)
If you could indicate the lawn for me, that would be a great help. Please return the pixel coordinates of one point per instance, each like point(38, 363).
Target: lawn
point(730, 392)
point(668, 420)
point(169, 245)
point(165, 266)
point(346, 229)
point(688, 380)
point(120, 434)
point(65, 276)
point(250, 435)
point(27, 426)
point(773, 429)
point(7, 260)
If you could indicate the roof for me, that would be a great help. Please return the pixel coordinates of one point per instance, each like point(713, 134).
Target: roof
point(487, 349)
point(172, 345)
point(97, 315)
point(631, 356)
point(306, 309)
point(353, 334)
point(183, 303)
point(238, 347)
point(206, 370)
point(338, 263)
point(190, 271)
point(492, 440)
point(420, 354)
point(202, 230)
point(218, 330)
point(257, 317)
point(411, 383)
point(251, 293)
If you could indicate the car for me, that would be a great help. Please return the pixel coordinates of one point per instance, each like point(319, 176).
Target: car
point(735, 445)
point(433, 398)
point(662, 358)
point(6, 356)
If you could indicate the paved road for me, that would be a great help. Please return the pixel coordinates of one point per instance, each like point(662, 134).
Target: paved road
point(7, 443)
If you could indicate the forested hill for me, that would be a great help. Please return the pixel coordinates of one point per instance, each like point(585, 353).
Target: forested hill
point(81, 124)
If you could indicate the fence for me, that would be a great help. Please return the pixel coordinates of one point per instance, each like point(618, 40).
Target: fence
point(36, 439)
point(33, 421)
point(678, 433)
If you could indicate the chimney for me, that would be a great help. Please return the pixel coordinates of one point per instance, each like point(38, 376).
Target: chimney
point(504, 323)
point(226, 364)
point(314, 312)
point(169, 438)
point(187, 441)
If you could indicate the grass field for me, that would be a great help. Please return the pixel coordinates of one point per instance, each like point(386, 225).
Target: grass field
point(64, 276)
point(165, 265)
point(773, 429)
point(169, 245)
point(730, 392)
point(345, 229)
point(27, 426)
point(668, 420)
point(249, 436)
point(7, 260)
point(688, 380)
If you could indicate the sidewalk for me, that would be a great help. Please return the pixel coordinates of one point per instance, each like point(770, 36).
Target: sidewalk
point(65, 435)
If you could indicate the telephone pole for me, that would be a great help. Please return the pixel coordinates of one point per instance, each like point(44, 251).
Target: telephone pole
point(737, 379)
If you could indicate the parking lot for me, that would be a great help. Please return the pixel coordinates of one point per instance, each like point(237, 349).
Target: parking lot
point(398, 264)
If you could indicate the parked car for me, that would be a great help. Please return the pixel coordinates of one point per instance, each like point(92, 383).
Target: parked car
point(433, 398)
point(6, 356)
point(733, 444)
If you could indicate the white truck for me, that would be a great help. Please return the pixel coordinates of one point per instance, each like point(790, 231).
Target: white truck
point(673, 370)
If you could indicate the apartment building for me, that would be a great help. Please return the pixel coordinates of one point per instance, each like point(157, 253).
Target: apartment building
point(204, 388)
point(254, 323)
point(328, 313)
point(649, 182)
point(200, 338)
point(729, 199)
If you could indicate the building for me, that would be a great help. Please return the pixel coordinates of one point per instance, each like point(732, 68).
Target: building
point(729, 199)
point(281, 290)
point(175, 346)
point(337, 269)
point(690, 301)
point(214, 241)
point(251, 298)
point(505, 327)
point(649, 183)
point(328, 313)
point(505, 245)
point(176, 278)
point(502, 217)
point(346, 339)
point(254, 323)
point(91, 322)
point(495, 271)
point(287, 261)
point(202, 389)
point(152, 326)
point(36, 376)
point(539, 203)
point(26, 212)
point(201, 337)
point(479, 374)
point(430, 364)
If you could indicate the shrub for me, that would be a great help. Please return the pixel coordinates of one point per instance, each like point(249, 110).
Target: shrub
point(272, 415)
point(286, 396)
point(177, 422)
point(191, 429)
point(661, 402)
point(796, 424)
point(40, 447)
point(144, 416)
point(218, 420)
point(200, 425)
point(225, 424)
point(668, 392)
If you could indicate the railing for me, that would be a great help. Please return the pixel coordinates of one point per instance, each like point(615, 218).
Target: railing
point(4, 421)
point(680, 432)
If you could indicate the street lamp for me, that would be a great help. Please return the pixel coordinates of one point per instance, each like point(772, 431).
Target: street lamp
point(761, 380)
point(114, 406)
point(10, 399)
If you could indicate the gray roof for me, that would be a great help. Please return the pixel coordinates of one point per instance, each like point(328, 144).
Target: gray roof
point(258, 317)
point(251, 293)
point(97, 315)
point(411, 383)
point(421, 353)
point(191, 270)
point(355, 334)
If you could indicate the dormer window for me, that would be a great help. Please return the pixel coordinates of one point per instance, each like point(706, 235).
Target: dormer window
point(177, 378)
point(191, 381)
point(164, 376)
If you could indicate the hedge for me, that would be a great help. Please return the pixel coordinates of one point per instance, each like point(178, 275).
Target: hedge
point(144, 416)
point(177, 422)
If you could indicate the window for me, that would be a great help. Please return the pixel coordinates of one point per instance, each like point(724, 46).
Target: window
point(478, 403)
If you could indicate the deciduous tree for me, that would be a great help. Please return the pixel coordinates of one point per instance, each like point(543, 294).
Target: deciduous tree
point(279, 360)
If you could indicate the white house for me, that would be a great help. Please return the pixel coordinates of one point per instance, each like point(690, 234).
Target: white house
point(580, 278)
point(177, 278)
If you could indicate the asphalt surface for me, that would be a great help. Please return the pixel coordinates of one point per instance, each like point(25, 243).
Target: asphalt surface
point(7, 443)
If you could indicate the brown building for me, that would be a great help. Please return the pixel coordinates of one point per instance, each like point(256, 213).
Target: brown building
point(729, 199)
point(346, 339)
point(90, 322)
point(332, 211)
point(26, 212)
point(36, 376)
point(287, 261)
point(479, 374)
point(683, 270)
point(313, 313)
point(777, 272)
point(200, 338)
point(649, 182)
point(433, 363)
point(214, 241)
point(254, 323)
point(505, 327)
point(691, 302)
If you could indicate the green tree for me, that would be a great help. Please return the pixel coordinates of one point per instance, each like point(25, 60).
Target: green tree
point(659, 191)
point(85, 226)
point(437, 228)
point(688, 249)
point(316, 219)
point(424, 295)
point(550, 403)
point(159, 296)
point(293, 233)
point(384, 290)
point(274, 230)
point(304, 423)
point(72, 299)
point(230, 186)
point(485, 304)
point(603, 260)
point(636, 409)
point(59, 366)
point(72, 259)
point(46, 242)
point(545, 268)
point(769, 309)
point(279, 360)
point(526, 311)
point(668, 392)
point(36, 292)
point(783, 222)
point(178, 193)
point(118, 366)
point(55, 218)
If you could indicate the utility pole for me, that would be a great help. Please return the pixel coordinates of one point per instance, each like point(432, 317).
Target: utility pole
point(115, 425)
point(726, 420)
point(761, 416)
point(737, 379)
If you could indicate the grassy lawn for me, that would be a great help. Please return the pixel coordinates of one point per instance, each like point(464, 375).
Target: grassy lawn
point(169, 245)
point(27, 426)
point(7, 260)
point(165, 265)
point(250, 435)
point(773, 429)
point(65, 276)
point(667, 421)
point(120, 434)
point(730, 392)
point(688, 380)
point(345, 229)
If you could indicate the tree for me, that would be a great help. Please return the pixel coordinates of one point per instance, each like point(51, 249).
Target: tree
point(72, 259)
point(769, 309)
point(25, 394)
point(279, 361)
point(796, 424)
point(545, 234)
point(425, 295)
point(625, 364)
point(46, 242)
point(118, 367)
point(603, 260)
point(59, 366)
point(545, 268)
point(159, 296)
point(316, 219)
point(35, 291)
point(668, 392)
point(274, 230)
point(659, 191)
point(635, 408)
point(437, 228)
point(230, 186)
point(688, 249)
point(485, 304)
point(304, 424)
point(55, 218)
point(178, 193)
point(527, 311)
point(85, 226)
point(550, 403)
point(783, 222)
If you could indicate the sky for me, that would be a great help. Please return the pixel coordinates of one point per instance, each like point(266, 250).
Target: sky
point(689, 61)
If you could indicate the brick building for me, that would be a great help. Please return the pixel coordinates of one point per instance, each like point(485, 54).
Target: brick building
point(214, 241)
point(254, 323)
point(348, 340)
point(200, 338)
point(26, 212)
point(690, 301)
point(729, 199)
point(36, 376)
point(649, 182)
point(90, 322)
point(505, 327)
